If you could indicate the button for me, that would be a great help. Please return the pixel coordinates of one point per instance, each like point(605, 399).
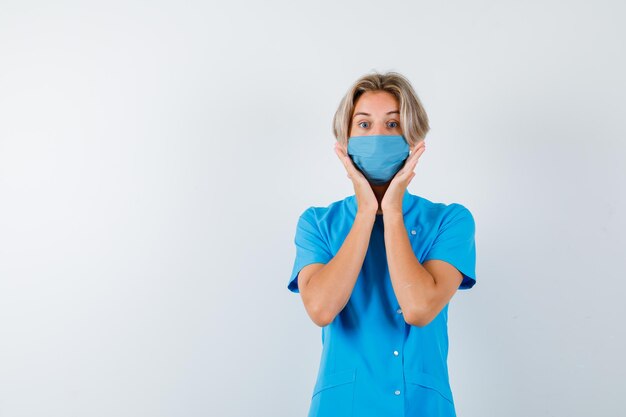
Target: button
point(395, 353)
point(413, 232)
point(399, 311)
point(397, 392)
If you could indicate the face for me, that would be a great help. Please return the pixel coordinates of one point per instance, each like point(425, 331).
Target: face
point(376, 113)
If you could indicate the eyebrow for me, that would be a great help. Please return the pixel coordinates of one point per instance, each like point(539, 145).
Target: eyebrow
point(367, 114)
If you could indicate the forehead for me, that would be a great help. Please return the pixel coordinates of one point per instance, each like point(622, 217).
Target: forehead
point(376, 101)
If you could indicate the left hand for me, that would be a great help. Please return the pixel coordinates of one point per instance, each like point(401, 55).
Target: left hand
point(392, 200)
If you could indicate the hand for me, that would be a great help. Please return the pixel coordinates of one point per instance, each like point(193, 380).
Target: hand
point(366, 199)
point(392, 200)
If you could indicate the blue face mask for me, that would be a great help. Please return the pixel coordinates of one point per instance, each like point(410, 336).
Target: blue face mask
point(378, 157)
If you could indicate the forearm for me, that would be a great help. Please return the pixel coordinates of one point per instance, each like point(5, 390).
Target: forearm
point(411, 282)
point(332, 285)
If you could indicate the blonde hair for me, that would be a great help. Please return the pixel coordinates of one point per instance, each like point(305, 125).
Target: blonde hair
point(413, 118)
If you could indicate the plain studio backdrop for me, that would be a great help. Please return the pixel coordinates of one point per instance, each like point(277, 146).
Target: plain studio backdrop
point(155, 157)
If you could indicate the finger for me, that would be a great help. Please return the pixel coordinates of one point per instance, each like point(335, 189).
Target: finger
point(414, 155)
point(341, 151)
point(340, 154)
point(418, 149)
point(417, 152)
point(345, 159)
point(412, 159)
point(411, 163)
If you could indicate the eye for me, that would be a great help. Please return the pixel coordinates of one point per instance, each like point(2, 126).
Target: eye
point(361, 125)
point(392, 124)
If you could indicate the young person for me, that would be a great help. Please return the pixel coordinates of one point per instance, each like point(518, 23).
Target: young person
point(377, 269)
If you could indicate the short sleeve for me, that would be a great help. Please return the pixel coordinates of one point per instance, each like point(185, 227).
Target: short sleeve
point(455, 243)
point(311, 247)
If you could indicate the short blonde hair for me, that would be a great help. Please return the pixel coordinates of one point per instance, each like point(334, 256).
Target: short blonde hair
point(413, 118)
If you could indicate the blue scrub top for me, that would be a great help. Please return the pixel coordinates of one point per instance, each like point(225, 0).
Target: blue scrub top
point(373, 363)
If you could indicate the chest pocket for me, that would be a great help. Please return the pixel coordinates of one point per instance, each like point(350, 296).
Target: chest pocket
point(333, 395)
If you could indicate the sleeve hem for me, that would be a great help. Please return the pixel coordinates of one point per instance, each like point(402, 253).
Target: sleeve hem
point(469, 280)
point(293, 281)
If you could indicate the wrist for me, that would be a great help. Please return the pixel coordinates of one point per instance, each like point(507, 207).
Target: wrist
point(366, 214)
point(393, 215)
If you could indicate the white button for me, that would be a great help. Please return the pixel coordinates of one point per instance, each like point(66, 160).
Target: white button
point(397, 392)
point(399, 311)
point(395, 353)
point(413, 232)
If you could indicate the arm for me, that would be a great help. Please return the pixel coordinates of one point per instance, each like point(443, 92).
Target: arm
point(326, 288)
point(422, 290)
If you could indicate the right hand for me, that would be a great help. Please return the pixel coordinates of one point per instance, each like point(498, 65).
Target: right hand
point(366, 199)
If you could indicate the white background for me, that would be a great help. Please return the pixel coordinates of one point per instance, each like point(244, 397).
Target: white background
point(155, 157)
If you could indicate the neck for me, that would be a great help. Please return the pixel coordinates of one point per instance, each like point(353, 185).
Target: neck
point(379, 192)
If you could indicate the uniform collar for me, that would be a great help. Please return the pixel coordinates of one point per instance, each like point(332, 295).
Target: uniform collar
point(406, 202)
